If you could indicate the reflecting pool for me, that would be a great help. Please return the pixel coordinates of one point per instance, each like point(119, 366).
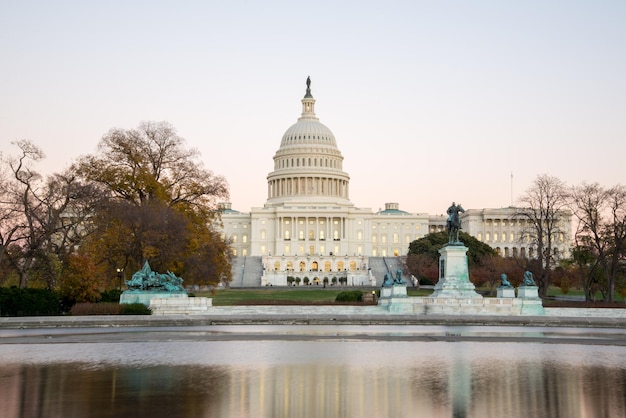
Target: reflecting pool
point(313, 371)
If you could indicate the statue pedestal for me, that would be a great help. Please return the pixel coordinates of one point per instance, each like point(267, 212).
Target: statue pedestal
point(398, 291)
point(180, 306)
point(454, 274)
point(395, 299)
point(528, 292)
point(144, 296)
point(506, 292)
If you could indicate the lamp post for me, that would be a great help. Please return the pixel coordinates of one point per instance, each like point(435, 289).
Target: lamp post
point(120, 273)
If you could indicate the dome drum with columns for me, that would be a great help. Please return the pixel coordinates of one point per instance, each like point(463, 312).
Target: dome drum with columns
point(308, 164)
point(309, 233)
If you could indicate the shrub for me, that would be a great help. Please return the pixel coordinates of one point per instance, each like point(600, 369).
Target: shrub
point(349, 296)
point(112, 295)
point(110, 308)
point(29, 302)
point(102, 308)
point(135, 309)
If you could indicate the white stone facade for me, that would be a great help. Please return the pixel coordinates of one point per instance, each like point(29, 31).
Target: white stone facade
point(309, 225)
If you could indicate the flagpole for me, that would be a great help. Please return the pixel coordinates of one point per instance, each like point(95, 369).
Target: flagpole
point(511, 189)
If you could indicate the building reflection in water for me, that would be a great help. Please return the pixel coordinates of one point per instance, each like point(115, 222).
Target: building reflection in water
point(324, 379)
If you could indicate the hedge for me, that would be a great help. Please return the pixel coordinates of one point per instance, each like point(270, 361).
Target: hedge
point(29, 302)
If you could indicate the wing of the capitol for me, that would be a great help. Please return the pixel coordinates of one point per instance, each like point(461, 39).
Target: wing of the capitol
point(308, 232)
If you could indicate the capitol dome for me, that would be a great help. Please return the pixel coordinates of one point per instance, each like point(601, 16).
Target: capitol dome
point(308, 166)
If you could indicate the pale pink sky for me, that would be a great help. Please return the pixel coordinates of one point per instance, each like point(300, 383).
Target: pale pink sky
point(429, 101)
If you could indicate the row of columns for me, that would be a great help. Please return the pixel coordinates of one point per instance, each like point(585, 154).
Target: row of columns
point(330, 233)
point(312, 186)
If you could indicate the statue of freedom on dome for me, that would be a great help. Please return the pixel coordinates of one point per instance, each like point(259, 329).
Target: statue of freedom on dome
point(308, 82)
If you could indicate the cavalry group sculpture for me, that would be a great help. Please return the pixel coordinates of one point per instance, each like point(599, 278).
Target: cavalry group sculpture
point(148, 280)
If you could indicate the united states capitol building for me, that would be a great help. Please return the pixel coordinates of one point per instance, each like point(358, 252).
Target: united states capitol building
point(308, 232)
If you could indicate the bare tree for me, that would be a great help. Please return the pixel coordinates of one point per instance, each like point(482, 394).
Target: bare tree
point(601, 231)
point(41, 217)
point(543, 207)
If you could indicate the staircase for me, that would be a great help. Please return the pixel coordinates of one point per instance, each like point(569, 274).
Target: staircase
point(386, 265)
point(246, 271)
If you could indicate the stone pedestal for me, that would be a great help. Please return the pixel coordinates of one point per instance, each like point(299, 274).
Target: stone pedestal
point(144, 296)
point(531, 302)
point(506, 292)
point(180, 306)
point(395, 299)
point(528, 292)
point(454, 274)
point(398, 291)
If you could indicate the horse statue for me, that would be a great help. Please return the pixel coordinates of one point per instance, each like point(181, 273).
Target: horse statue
point(453, 224)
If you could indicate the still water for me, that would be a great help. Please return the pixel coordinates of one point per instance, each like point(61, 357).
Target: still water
point(313, 371)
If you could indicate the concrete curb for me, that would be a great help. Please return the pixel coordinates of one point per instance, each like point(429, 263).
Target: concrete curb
point(305, 319)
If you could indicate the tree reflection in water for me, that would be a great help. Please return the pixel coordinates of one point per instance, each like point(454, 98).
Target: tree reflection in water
point(275, 379)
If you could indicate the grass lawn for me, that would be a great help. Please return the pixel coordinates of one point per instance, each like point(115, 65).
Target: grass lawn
point(293, 296)
point(324, 296)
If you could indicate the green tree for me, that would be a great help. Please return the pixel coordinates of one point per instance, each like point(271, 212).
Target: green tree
point(423, 254)
point(162, 206)
point(432, 243)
